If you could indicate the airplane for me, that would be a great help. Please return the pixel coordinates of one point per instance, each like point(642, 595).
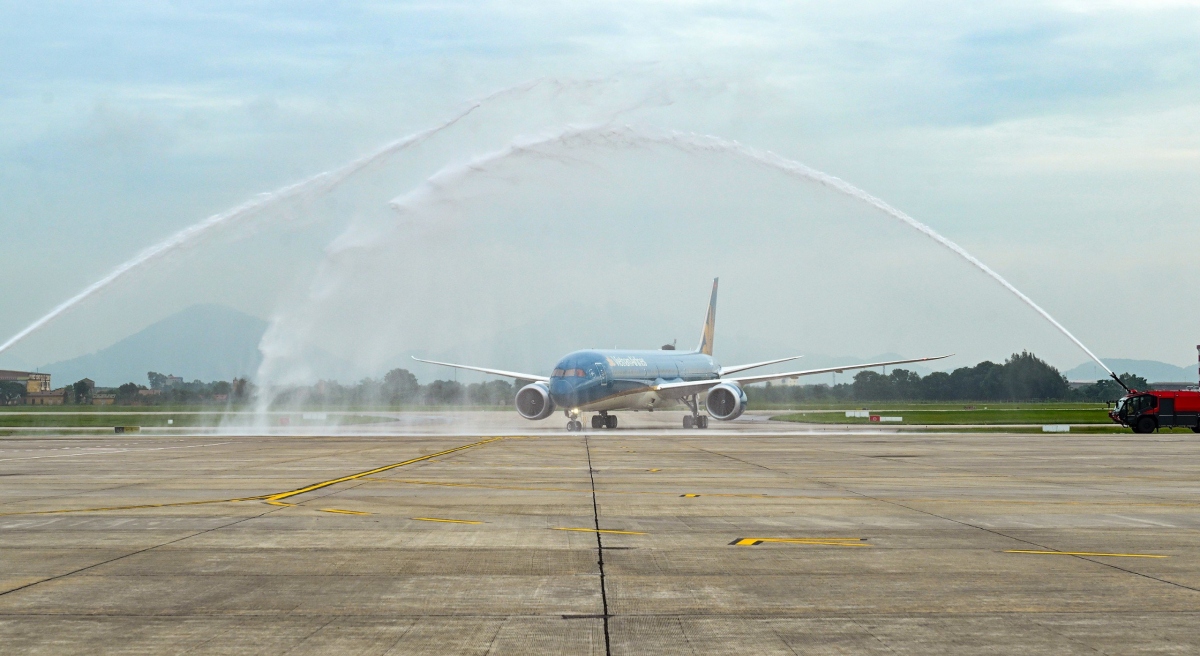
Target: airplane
point(603, 381)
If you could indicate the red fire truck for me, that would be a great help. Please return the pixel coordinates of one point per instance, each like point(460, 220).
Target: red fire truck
point(1146, 412)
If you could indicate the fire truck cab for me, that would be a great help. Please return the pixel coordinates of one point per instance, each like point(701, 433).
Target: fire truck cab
point(1146, 412)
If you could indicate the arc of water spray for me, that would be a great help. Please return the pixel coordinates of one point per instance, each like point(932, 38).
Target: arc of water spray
point(324, 181)
point(689, 142)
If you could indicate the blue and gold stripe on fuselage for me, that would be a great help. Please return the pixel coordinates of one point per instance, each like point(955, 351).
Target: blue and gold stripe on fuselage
point(602, 380)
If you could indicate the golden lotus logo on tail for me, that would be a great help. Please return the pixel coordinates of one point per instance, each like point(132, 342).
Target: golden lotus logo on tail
point(710, 322)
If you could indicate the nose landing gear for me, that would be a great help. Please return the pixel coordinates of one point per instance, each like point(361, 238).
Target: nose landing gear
point(602, 420)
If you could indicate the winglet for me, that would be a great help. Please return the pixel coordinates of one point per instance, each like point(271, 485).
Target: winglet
point(710, 323)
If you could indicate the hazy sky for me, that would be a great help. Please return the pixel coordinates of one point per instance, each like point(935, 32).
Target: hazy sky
point(1059, 142)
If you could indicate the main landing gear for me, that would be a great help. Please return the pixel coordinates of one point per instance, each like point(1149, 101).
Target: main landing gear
point(694, 420)
point(604, 420)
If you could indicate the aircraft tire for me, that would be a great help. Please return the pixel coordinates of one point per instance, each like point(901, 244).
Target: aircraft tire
point(612, 421)
point(688, 422)
point(574, 426)
point(1196, 429)
point(597, 421)
point(702, 422)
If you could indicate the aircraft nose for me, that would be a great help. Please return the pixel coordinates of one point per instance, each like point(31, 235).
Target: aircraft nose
point(562, 393)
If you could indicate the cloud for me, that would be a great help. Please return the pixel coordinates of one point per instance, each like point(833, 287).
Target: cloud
point(1001, 124)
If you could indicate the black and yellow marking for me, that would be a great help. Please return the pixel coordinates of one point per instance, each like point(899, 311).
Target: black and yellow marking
point(831, 542)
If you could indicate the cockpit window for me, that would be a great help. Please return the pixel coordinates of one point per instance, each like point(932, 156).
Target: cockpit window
point(569, 373)
point(1135, 405)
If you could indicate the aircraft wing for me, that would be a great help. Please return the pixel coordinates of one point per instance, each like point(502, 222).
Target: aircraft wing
point(743, 367)
point(694, 387)
point(494, 372)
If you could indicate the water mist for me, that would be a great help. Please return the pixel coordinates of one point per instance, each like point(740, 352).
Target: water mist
point(608, 136)
point(316, 185)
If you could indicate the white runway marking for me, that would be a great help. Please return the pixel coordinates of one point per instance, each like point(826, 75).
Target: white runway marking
point(102, 453)
point(1146, 521)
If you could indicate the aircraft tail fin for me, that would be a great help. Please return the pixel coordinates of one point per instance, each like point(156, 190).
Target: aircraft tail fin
point(710, 323)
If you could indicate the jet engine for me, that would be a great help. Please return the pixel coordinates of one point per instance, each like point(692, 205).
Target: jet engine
point(534, 402)
point(726, 401)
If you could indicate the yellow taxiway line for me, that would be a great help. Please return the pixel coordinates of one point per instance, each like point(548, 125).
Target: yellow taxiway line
point(137, 507)
point(447, 521)
point(273, 499)
point(1083, 553)
point(343, 479)
point(343, 512)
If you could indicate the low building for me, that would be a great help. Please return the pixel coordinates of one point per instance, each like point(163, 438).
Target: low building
point(1185, 385)
point(48, 397)
point(33, 381)
point(104, 399)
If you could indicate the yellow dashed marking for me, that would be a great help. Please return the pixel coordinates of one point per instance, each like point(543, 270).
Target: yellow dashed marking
point(690, 496)
point(343, 512)
point(653, 470)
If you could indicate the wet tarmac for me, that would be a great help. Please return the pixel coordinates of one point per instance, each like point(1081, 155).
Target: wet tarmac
point(752, 537)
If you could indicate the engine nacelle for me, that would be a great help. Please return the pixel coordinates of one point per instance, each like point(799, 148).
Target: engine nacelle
point(534, 402)
point(726, 401)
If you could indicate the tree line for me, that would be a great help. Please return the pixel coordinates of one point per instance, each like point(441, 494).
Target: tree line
point(165, 390)
point(401, 387)
point(1022, 377)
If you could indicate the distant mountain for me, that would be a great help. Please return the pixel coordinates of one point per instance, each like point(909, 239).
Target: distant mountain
point(1152, 370)
point(205, 342)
